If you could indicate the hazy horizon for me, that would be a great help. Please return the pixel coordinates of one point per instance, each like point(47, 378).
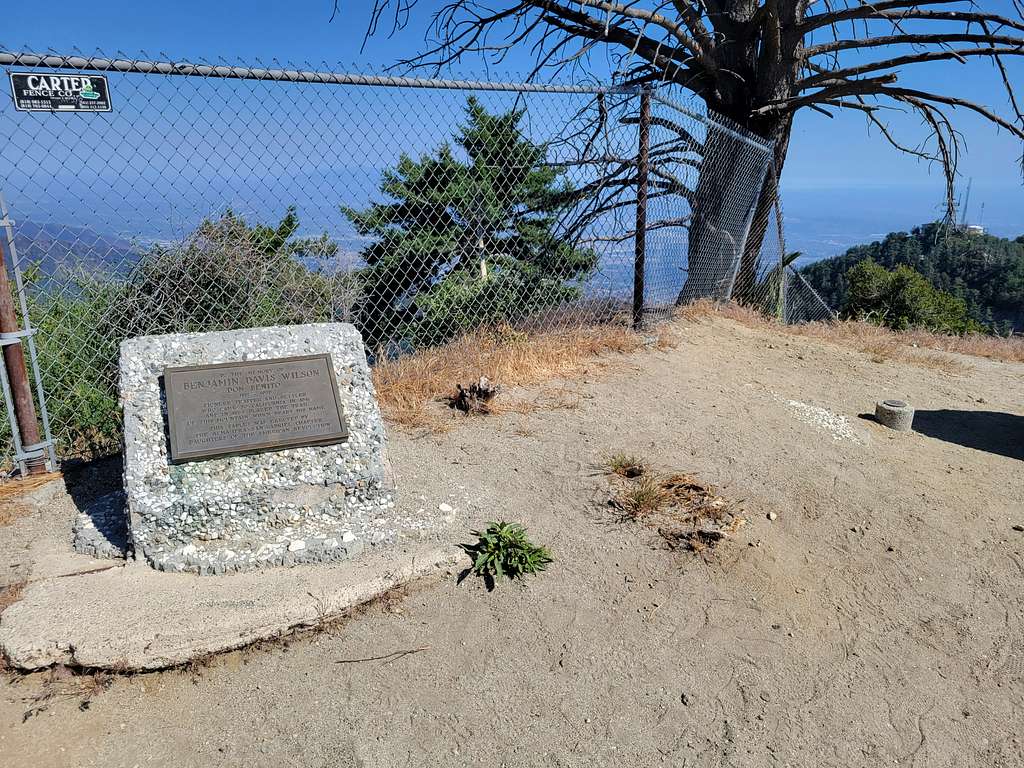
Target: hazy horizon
point(842, 184)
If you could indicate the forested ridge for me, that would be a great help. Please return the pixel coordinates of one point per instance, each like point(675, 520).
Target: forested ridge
point(986, 271)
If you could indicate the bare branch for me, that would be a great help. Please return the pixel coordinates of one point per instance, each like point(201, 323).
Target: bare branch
point(831, 90)
point(964, 16)
point(988, 114)
point(1010, 94)
point(948, 146)
point(887, 40)
point(649, 17)
point(887, 134)
point(861, 11)
point(681, 221)
point(816, 81)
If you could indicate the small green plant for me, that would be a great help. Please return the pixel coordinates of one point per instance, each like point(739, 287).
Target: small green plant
point(625, 465)
point(503, 550)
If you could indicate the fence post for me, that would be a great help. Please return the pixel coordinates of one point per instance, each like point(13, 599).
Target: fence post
point(14, 364)
point(640, 237)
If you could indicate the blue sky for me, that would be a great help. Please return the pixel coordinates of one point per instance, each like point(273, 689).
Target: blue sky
point(841, 180)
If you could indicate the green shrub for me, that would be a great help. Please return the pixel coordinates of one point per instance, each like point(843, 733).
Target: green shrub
point(903, 298)
point(226, 274)
point(984, 270)
point(503, 550)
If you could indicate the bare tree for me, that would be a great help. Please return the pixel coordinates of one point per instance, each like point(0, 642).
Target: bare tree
point(756, 62)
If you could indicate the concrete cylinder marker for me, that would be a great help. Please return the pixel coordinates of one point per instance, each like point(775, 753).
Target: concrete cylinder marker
point(895, 414)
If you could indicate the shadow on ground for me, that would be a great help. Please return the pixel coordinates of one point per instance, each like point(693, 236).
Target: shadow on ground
point(87, 481)
point(101, 528)
point(991, 431)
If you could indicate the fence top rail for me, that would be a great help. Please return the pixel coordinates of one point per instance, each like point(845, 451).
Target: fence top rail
point(718, 122)
point(188, 69)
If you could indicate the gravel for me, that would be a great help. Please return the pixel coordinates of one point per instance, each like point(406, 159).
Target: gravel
point(101, 528)
point(310, 504)
point(836, 425)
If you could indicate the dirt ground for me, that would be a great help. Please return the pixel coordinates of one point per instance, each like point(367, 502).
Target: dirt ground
point(877, 621)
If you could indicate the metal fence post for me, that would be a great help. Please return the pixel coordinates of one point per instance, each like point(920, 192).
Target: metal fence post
point(640, 238)
point(14, 364)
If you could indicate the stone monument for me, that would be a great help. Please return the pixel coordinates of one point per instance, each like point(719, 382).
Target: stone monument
point(253, 448)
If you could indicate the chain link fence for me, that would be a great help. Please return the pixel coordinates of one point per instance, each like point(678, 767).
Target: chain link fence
point(216, 196)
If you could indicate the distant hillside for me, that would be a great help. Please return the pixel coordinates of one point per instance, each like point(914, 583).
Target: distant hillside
point(58, 248)
point(985, 271)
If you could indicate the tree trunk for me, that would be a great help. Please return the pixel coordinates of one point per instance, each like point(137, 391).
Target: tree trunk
point(750, 265)
point(720, 216)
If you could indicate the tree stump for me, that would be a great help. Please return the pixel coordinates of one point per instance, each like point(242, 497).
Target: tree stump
point(475, 399)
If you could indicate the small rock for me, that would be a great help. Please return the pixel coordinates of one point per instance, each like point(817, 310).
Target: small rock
point(685, 699)
point(348, 537)
point(773, 516)
point(1019, 528)
point(446, 508)
point(296, 545)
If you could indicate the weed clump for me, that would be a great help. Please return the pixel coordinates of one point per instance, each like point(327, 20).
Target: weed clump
point(503, 550)
point(642, 497)
point(686, 512)
point(626, 465)
point(62, 683)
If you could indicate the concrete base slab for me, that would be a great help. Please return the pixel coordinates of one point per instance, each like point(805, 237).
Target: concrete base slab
point(133, 618)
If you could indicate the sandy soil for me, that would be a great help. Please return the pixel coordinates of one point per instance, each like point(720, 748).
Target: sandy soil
point(876, 622)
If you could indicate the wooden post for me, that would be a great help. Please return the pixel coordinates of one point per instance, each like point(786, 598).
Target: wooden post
point(643, 148)
point(14, 363)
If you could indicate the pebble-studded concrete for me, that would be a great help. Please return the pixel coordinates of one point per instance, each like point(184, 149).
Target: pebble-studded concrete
point(237, 513)
point(101, 528)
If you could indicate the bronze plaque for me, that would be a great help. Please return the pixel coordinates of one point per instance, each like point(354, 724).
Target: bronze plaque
point(258, 405)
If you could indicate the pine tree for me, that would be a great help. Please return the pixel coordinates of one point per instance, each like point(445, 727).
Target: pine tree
point(469, 238)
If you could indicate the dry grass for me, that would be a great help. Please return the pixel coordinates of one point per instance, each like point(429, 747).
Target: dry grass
point(551, 399)
point(408, 387)
point(10, 511)
point(686, 512)
point(10, 594)
point(642, 497)
point(61, 683)
point(625, 465)
point(705, 308)
point(12, 492)
point(879, 342)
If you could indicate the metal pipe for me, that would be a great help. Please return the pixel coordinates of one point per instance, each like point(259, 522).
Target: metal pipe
point(140, 66)
point(30, 339)
point(14, 363)
point(754, 141)
point(640, 242)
